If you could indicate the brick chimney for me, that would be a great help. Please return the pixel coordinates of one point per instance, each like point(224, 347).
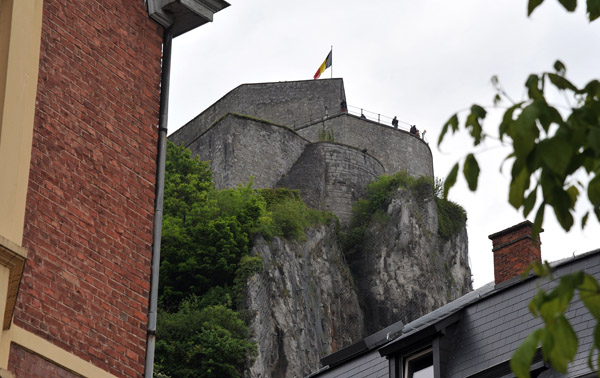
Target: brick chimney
point(514, 249)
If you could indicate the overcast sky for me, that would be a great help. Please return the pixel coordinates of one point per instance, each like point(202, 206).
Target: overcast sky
point(421, 60)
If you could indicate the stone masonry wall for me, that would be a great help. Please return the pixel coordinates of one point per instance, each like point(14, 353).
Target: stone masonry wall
point(396, 149)
point(332, 176)
point(240, 147)
point(286, 103)
point(90, 200)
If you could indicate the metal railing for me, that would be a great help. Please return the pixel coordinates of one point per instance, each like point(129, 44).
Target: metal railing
point(354, 110)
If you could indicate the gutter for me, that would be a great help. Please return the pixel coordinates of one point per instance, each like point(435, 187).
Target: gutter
point(158, 202)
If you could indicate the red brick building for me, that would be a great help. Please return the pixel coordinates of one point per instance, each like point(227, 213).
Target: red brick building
point(80, 94)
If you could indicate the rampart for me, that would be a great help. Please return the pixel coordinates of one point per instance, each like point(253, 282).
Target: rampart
point(239, 147)
point(285, 103)
point(396, 149)
point(260, 141)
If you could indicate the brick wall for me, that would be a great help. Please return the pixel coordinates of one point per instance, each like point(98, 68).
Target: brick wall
point(91, 187)
point(514, 250)
point(26, 364)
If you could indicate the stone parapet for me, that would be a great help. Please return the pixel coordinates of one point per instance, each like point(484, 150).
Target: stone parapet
point(239, 148)
point(396, 149)
point(288, 103)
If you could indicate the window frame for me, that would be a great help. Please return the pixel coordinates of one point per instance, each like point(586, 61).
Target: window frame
point(408, 363)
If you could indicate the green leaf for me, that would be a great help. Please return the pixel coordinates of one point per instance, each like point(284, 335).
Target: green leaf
point(560, 82)
point(497, 99)
point(594, 190)
point(507, 120)
point(589, 291)
point(473, 123)
point(560, 68)
point(556, 153)
point(532, 85)
point(450, 180)
point(539, 216)
point(564, 353)
point(529, 202)
point(593, 139)
point(548, 115)
point(569, 5)
point(593, 9)
point(521, 359)
point(532, 5)
point(452, 122)
point(562, 204)
point(584, 219)
point(538, 269)
point(518, 185)
point(471, 171)
point(525, 131)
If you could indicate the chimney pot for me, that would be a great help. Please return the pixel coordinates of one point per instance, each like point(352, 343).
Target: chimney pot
point(514, 250)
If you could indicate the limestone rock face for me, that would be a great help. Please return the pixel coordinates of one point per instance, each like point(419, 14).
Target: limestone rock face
point(304, 304)
point(311, 300)
point(405, 270)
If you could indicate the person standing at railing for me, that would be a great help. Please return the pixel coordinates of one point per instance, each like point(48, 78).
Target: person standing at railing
point(344, 107)
point(395, 122)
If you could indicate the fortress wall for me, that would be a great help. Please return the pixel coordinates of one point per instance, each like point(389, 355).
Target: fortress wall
point(396, 149)
point(285, 103)
point(332, 177)
point(239, 147)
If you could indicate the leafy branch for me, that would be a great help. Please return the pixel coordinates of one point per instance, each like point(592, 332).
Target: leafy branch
point(555, 159)
point(549, 151)
point(557, 339)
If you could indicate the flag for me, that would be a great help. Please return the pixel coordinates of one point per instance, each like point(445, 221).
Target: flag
point(326, 64)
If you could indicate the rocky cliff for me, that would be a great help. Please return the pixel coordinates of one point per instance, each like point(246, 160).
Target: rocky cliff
point(312, 300)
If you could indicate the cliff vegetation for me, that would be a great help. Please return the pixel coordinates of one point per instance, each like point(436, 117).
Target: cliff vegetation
point(206, 239)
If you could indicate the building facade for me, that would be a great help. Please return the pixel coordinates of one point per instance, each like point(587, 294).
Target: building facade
point(80, 87)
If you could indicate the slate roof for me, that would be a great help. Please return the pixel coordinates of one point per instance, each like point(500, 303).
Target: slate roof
point(491, 323)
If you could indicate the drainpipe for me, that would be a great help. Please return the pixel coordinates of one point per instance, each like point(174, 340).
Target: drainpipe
point(158, 202)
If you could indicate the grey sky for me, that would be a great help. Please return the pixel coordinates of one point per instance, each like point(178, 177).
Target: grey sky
point(420, 60)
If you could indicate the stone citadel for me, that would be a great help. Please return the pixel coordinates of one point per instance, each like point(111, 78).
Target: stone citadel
point(299, 135)
point(313, 298)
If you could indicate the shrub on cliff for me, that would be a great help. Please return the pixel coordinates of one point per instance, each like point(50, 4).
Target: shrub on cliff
point(451, 216)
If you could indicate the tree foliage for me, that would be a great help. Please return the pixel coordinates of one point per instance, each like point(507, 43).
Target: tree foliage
point(206, 239)
point(202, 342)
point(557, 338)
point(555, 158)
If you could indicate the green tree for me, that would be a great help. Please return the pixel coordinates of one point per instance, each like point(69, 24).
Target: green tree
point(205, 231)
point(554, 158)
point(206, 238)
point(202, 342)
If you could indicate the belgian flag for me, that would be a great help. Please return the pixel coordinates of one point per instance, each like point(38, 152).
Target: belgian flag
point(326, 64)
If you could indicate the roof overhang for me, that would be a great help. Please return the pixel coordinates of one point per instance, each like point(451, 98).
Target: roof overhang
point(184, 15)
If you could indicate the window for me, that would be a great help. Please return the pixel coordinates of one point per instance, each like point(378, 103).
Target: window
point(419, 365)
